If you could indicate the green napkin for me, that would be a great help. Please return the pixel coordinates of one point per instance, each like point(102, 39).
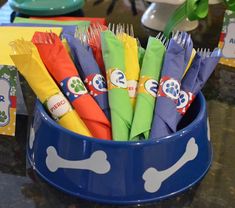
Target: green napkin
point(141, 52)
point(147, 89)
point(119, 101)
point(51, 22)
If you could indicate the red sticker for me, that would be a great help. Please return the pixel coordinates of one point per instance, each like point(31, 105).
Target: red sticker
point(184, 101)
point(169, 87)
point(96, 84)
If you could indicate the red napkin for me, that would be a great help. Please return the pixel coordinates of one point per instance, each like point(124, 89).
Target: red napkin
point(95, 44)
point(63, 70)
point(92, 20)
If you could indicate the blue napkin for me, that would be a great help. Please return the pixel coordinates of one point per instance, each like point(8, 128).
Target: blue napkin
point(202, 67)
point(176, 60)
point(90, 72)
point(68, 29)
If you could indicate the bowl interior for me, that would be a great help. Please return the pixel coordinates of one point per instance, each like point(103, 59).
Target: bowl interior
point(193, 116)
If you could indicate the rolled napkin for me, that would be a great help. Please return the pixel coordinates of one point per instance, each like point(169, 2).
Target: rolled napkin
point(95, 44)
point(202, 67)
point(147, 89)
point(141, 52)
point(119, 102)
point(29, 64)
point(61, 67)
point(131, 64)
point(176, 60)
point(90, 72)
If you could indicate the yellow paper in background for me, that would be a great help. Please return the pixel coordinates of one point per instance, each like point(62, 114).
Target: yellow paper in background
point(9, 34)
point(132, 65)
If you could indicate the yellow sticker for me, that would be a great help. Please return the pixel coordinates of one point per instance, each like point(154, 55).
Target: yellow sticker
point(148, 85)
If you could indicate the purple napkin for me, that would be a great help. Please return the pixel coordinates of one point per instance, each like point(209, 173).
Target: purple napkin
point(68, 29)
point(176, 59)
point(202, 67)
point(90, 72)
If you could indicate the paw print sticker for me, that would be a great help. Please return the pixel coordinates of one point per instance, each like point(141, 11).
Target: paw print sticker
point(182, 100)
point(3, 116)
point(99, 83)
point(171, 88)
point(76, 86)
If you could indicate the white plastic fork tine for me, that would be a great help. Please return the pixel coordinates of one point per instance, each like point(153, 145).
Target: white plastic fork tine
point(162, 37)
point(167, 42)
point(127, 29)
point(184, 38)
point(109, 26)
point(158, 35)
point(113, 28)
point(99, 27)
point(117, 26)
point(132, 31)
point(176, 35)
point(164, 40)
point(188, 39)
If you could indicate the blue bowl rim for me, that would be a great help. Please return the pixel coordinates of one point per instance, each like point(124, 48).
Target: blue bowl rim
point(169, 138)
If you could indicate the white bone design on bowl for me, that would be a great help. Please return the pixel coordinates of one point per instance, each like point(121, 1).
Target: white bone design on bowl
point(31, 137)
point(97, 162)
point(154, 178)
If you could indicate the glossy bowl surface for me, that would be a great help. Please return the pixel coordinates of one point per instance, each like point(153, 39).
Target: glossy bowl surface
point(121, 172)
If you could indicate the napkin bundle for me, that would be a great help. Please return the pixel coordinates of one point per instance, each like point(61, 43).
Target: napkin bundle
point(131, 64)
point(28, 62)
point(177, 57)
point(89, 72)
point(147, 88)
point(62, 69)
point(108, 77)
point(119, 102)
point(202, 67)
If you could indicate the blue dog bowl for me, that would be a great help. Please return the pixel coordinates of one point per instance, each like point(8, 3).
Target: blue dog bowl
point(121, 172)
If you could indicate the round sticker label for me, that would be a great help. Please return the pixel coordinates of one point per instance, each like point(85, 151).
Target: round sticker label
point(169, 87)
point(151, 86)
point(182, 100)
point(58, 105)
point(118, 78)
point(76, 86)
point(99, 83)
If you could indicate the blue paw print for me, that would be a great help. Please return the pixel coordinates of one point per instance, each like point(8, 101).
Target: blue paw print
point(181, 99)
point(100, 83)
point(172, 88)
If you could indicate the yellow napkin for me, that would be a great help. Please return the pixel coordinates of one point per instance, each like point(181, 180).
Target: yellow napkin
point(190, 61)
point(9, 34)
point(132, 64)
point(30, 65)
